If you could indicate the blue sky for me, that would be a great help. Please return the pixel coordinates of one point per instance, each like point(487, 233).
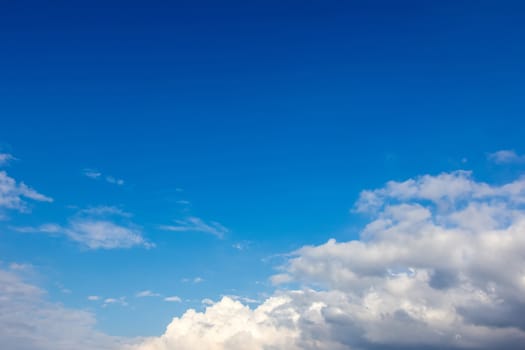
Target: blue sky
point(217, 138)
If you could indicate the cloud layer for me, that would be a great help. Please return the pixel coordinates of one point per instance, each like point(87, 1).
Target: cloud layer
point(439, 266)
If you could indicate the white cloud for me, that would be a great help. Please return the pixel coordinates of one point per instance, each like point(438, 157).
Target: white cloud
point(13, 195)
point(193, 280)
point(96, 175)
point(94, 230)
point(241, 245)
point(105, 235)
point(147, 293)
point(195, 224)
point(93, 298)
point(439, 266)
point(92, 174)
point(115, 181)
point(115, 301)
point(173, 299)
point(245, 300)
point(30, 322)
point(506, 157)
point(20, 267)
point(5, 158)
point(207, 301)
point(105, 210)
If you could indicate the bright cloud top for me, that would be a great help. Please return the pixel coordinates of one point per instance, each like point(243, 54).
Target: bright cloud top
point(440, 265)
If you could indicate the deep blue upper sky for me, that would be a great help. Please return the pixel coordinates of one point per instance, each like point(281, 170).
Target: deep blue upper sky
point(270, 115)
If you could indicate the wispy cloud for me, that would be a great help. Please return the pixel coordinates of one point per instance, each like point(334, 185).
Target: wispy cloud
point(20, 267)
point(13, 195)
point(207, 301)
point(193, 280)
point(92, 174)
point(115, 301)
point(506, 157)
point(100, 234)
point(245, 300)
point(94, 230)
point(30, 321)
point(195, 224)
point(93, 298)
point(147, 294)
point(115, 181)
point(96, 175)
point(105, 210)
point(241, 245)
point(173, 299)
point(5, 158)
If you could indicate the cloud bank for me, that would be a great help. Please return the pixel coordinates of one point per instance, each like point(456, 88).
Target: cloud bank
point(440, 265)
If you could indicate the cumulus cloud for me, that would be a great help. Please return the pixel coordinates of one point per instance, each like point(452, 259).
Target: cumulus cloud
point(228, 324)
point(439, 266)
point(195, 224)
point(95, 229)
point(13, 195)
point(30, 322)
point(506, 156)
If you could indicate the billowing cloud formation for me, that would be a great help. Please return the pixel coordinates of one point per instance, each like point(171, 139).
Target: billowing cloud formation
point(229, 324)
point(29, 322)
point(13, 195)
point(439, 266)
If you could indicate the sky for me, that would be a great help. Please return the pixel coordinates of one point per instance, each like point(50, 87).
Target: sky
point(262, 175)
